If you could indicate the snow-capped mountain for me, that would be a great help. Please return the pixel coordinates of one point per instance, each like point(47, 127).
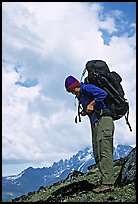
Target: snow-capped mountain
point(31, 179)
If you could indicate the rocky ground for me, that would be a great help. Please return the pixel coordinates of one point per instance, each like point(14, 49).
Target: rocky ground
point(78, 186)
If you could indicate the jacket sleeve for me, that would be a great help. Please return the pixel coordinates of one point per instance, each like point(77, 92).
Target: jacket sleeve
point(97, 93)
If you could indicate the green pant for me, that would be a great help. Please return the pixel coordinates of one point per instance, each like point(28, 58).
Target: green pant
point(102, 142)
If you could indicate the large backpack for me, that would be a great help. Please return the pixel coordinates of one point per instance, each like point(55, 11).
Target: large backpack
point(100, 75)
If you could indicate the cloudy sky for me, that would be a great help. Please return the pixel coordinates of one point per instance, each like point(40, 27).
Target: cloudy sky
point(43, 43)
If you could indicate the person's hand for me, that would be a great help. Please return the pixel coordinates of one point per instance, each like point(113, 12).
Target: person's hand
point(90, 106)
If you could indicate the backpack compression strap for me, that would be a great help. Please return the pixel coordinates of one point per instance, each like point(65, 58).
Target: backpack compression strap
point(78, 114)
point(126, 117)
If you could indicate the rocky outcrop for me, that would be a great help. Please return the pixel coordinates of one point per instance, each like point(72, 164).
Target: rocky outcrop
point(70, 190)
point(128, 171)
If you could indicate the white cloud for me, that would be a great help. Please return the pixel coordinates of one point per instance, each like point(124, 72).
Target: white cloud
point(108, 24)
point(51, 41)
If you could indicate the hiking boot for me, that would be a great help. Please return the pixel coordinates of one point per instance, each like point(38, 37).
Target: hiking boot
point(104, 188)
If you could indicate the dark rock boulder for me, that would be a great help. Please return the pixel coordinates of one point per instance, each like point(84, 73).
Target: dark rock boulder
point(127, 173)
point(74, 174)
point(70, 190)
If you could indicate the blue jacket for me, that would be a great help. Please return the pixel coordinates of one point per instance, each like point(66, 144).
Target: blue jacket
point(89, 92)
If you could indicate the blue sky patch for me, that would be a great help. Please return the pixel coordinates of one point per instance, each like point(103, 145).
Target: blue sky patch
point(27, 83)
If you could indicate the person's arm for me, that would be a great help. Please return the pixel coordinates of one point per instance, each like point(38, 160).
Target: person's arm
point(96, 93)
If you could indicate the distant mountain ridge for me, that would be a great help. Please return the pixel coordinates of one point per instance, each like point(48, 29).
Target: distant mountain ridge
point(32, 179)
